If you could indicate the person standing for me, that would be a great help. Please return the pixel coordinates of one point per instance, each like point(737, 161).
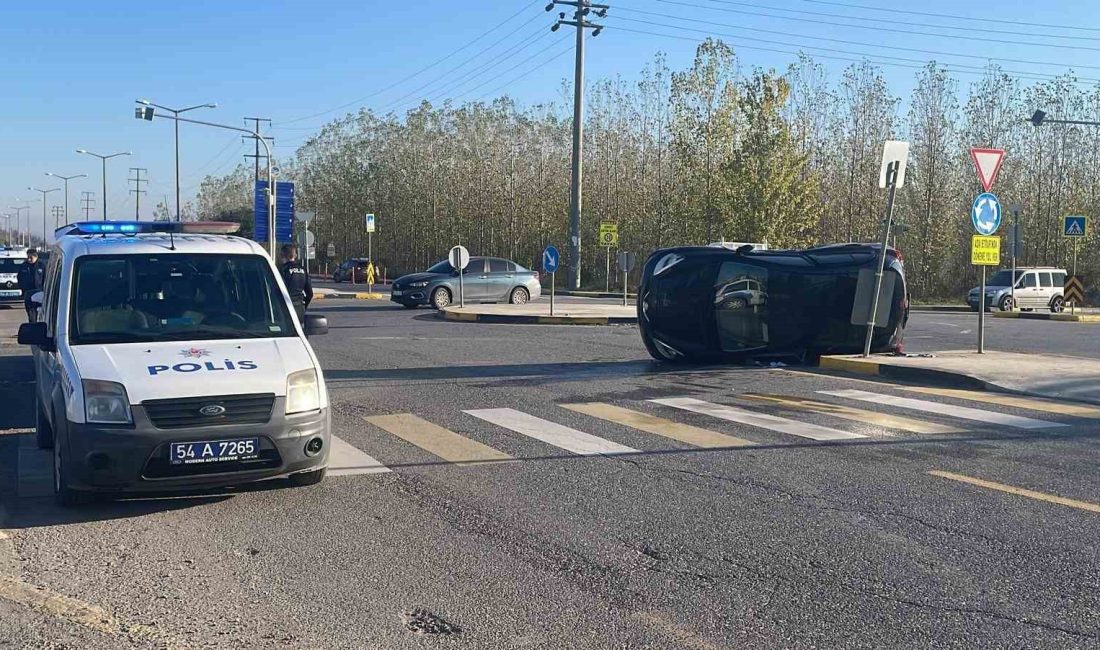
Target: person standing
point(297, 281)
point(32, 277)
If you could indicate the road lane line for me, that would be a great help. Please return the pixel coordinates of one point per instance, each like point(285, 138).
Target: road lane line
point(436, 440)
point(686, 433)
point(578, 442)
point(964, 412)
point(858, 415)
point(761, 420)
point(1024, 492)
point(1030, 403)
point(346, 460)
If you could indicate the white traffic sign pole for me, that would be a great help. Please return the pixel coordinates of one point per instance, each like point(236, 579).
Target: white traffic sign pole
point(607, 274)
point(981, 314)
point(552, 293)
point(891, 183)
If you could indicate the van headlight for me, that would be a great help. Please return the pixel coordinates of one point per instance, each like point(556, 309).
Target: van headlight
point(302, 392)
point(105, 402)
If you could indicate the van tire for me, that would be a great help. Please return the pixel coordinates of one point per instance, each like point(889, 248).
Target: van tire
point(65, 496)
point(43, 432)
point(1057, 305)
point(304, 479)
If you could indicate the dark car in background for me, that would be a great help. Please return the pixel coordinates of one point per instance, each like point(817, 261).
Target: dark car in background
point(343, 273)
point(697, 303)
point(486, 279)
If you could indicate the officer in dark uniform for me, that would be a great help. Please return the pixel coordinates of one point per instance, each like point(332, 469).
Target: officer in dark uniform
point(32, 277)
point(297, 281)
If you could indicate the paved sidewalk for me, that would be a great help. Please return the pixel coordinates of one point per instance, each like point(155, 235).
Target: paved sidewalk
point(1043, 375)
point(539, 313)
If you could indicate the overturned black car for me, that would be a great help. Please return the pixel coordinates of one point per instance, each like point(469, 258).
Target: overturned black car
point(707, 303)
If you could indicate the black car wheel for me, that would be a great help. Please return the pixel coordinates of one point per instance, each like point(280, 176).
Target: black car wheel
point(43, 433)
point(65, 496)
point(519, 296)
point(1057, 305)
point(441, 297)
point(306, 478)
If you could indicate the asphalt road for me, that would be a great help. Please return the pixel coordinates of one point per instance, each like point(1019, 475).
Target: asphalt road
point(789, 542)
point(931, 331)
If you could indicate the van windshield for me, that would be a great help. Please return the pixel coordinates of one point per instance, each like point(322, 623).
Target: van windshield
point(177, 297)
point(10, 264)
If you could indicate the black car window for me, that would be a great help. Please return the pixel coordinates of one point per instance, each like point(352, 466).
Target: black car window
point(740, 306)
point(498, 266)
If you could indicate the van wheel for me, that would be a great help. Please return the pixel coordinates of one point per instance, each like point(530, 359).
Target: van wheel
point(65, 496)
point(43, 432)
point(519, 296)
point(1007, 304)
point(1058, 305)
point(307, 478)
point(441, 297)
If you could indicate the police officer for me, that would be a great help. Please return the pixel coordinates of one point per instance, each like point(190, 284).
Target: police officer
point(297, 281)
point(32, 276)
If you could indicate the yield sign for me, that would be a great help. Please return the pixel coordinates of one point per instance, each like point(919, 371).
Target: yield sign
point(988, 163)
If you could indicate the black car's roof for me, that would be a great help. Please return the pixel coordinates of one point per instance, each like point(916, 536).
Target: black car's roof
point(817, 254)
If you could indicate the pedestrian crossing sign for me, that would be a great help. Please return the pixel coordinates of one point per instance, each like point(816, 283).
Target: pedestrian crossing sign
point(1075, 226)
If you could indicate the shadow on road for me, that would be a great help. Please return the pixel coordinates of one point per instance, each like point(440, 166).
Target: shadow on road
point(556, 370)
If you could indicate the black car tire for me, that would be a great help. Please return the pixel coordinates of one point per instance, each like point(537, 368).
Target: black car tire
point(43, 432)
point(441, 298)
point(63, 495)
point(1006, 303)
point(1057, 305)
point(304, 479)
point(519, 296)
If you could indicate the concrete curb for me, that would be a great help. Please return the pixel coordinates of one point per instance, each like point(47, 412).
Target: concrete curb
point(350, 296)
point(589, 294)
point(532, 319)
point(871, 367)
point(1062, 317)
point(941, 308)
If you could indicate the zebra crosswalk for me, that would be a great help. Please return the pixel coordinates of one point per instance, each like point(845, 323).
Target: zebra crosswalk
point(740, 421)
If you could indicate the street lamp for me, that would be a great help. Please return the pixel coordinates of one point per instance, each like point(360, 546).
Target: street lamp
point(104, 160)
point(66, 179)
point(19, 212)
point(148, 114)
point(176, 112)
point(7, 222)
point(44, 193)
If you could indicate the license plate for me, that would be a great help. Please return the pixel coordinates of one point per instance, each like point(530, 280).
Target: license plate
point(10, 294)
point(214, 451)
point(395, 294)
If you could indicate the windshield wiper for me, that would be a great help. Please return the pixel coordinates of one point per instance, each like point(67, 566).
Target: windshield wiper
point(184, 335)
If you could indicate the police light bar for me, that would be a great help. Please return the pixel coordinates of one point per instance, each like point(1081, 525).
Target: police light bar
point(135, 227)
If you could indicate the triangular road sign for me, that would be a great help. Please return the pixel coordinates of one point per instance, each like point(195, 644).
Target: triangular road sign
point(988, 163)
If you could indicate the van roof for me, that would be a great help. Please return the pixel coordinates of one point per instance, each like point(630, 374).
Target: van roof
point(78, 245)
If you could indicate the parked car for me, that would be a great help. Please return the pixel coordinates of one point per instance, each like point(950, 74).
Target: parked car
point(703, 303)
point(343, 273)
point(1036, 288)
point(486, 279)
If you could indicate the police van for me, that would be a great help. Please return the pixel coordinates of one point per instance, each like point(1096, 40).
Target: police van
point(11, 260)
point(168, 357)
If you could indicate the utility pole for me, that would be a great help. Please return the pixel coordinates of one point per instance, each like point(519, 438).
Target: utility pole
point(88, 201)
point(58, 212)
point(137, 180)
point(256, 156)
point(66, 179)
point(103, 159)
point(583, 8)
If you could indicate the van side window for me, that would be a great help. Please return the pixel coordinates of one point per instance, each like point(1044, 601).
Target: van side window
point(1045, 281)
point(52, 290)
point(1029, 281)
point(1059, 279)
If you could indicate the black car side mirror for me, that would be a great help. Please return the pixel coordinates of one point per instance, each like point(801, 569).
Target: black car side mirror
point(315, 325)
point(35, 334)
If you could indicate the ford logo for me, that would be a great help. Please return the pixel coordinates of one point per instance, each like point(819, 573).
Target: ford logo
point(211, 410)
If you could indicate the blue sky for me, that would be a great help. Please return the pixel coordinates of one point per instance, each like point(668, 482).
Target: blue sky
point(71, 70)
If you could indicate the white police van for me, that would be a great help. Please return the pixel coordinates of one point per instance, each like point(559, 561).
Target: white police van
point(168, 357)
point(11, 260)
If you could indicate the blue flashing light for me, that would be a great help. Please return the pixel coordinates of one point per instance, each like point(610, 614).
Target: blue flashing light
point(136, 227)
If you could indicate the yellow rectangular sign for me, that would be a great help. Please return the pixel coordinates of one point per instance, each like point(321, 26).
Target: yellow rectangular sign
point(609, 234)
point(985, 251)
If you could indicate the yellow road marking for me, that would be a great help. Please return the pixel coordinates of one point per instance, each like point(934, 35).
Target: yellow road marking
point(859, 415)
point(434, 439)
point(1024, 492)
point(659, 426)
point(1031, 403)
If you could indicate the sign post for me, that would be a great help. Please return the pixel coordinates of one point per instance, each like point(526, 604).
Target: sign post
point(550, 261)
point(330, 253)
point(1014, 247)
point(370, 235)
point(609, 238)
point(460, 259)
point(895, 154)
point(626, 265)
point(305, 217)
point(1074, 227)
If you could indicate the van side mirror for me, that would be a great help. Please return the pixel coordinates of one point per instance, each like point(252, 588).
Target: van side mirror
point(315, 325)
point(35, 334)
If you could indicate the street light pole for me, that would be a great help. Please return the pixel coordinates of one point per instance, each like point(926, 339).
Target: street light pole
point(19, 213)
point(104, 159)
point(148, 114)
point(176, 112)
point(44, 193)
point(66, 179)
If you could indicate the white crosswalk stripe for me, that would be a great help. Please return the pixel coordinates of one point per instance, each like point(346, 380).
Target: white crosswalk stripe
point(551, 433)
point(761, 420)
point(346, 460)
point(963, 412)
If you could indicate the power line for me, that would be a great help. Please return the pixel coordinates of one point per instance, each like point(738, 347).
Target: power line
point(490, 80)
point(1033, 75)
point(894, 22)
point(88, 201)
point(815, 21)
point(953, 17)
point(137, 180)
point(523, 75)
point(537, 36)
point(415, 74)
point(256, 156)
point(760, 30)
